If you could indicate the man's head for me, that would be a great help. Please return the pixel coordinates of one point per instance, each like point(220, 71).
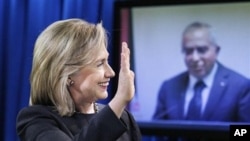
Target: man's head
point(199, 48)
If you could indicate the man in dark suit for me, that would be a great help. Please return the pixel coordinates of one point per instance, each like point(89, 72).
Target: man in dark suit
point(224, 95)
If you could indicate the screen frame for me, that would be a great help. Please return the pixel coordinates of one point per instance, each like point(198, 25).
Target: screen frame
point(173, 128)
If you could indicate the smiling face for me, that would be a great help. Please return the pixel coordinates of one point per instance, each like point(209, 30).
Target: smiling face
point(91, 82)
point(200, 53)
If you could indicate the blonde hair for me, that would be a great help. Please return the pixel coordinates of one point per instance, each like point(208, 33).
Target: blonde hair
point(61, 50)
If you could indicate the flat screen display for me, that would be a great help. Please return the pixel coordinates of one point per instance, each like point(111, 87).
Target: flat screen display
point(154, 31)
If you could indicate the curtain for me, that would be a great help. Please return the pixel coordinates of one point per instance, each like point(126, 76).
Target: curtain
point(21, 21)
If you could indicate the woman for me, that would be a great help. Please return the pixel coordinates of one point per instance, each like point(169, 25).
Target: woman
point(70, 72)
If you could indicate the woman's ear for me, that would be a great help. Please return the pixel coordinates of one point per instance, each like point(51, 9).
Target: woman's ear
point(70, 82)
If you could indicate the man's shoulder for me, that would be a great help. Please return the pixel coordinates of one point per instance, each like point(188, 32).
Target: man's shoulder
point(179, 78)
point(230, 73)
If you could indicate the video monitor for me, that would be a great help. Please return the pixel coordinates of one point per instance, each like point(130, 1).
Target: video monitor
point(153, 30)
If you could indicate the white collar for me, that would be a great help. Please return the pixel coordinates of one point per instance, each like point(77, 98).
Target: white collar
point(208, 80)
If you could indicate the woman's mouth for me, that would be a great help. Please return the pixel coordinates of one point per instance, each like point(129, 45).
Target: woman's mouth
point(104, 84)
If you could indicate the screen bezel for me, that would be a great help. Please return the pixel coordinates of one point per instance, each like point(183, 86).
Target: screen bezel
point(148, 127)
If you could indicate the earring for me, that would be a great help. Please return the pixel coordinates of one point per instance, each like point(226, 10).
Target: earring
point(70, 82)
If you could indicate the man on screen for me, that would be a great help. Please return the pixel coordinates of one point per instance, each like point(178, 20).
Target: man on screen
point(222, 95)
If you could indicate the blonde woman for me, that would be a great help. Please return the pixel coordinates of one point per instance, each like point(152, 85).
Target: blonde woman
point(70, 72)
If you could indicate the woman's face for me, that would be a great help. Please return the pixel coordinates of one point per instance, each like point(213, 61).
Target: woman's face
point(91, 82)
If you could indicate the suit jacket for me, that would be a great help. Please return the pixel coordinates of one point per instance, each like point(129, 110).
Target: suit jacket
point(43, 123)
point(229, 98)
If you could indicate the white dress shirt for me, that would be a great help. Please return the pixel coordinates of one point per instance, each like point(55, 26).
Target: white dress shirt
point(208, 80)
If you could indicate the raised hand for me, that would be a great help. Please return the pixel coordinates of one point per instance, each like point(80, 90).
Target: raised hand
point(126, 87)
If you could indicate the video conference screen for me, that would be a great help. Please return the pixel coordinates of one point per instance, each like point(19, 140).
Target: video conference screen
point(154, 34)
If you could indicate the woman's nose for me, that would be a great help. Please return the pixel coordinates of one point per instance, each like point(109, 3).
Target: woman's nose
point(109, 72)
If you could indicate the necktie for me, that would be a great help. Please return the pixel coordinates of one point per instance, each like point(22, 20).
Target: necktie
point(194, 110)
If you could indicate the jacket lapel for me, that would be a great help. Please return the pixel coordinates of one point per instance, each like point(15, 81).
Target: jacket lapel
point(181, 92)
point(216, 93)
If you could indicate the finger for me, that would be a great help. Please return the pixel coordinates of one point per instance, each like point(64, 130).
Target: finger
point(125, 48)
point(125, 56)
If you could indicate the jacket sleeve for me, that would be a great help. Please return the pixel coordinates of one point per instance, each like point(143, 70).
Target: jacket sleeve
point(134, 133)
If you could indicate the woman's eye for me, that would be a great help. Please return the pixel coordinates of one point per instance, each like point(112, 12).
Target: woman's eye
point(100, 63)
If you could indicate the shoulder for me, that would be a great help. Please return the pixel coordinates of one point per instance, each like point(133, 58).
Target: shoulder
point(231, 74)
point(236, 80)
point(36, 110)
point(30, 114)
point(177, 79)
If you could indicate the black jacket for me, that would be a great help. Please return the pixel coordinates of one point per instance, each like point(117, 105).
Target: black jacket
point(43, 123)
